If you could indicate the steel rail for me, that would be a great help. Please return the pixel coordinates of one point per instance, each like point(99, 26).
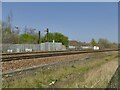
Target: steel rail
point(4, 59)
point(34, 52)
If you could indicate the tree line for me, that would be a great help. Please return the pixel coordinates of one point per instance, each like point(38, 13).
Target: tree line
point(104, 43)
point(29, 36)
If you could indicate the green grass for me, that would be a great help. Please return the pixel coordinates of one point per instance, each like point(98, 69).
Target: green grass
point(61, 74)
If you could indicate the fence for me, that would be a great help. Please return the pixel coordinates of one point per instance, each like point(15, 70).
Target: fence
point(48, 46)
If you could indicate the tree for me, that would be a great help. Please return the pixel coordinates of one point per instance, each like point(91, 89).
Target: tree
point(50, 38)
point(29, 30)
point(104, 43)
point(57, 37)
point(114, 46)
point(9, 35)
point(28, 39)
point(93, 42)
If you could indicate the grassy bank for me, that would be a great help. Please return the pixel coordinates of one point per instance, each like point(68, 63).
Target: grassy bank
point(88, 74)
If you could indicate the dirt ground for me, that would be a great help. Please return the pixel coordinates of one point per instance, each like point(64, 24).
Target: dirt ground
point(95, 72)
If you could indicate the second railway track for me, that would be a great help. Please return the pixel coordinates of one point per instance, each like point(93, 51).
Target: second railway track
point(21, 56)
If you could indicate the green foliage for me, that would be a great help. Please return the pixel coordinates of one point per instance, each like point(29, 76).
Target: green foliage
point(12, 36)
point(28, 39)
point(104, 43)
point(93, 42)
point(57, 37)
point(29, 36)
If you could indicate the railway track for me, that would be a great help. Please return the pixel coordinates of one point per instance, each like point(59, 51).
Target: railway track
point(25, 68)
point(32, 52)
point(22, 56)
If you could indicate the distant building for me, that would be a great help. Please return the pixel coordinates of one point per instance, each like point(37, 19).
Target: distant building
point(96, 48)
point(85, 45)
point(73, 44)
